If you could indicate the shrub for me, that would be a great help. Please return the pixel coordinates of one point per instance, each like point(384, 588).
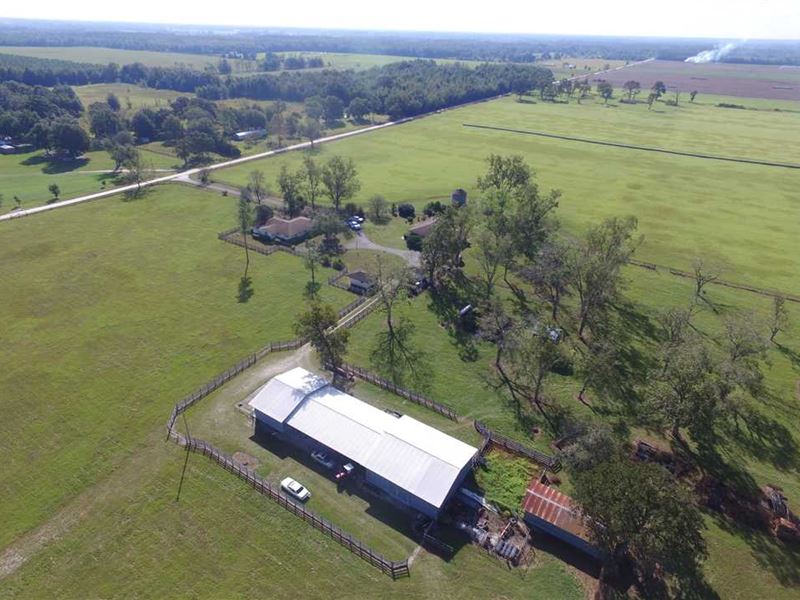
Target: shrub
point(352, 209)
point(338, 264)
point(414, 242)
point(263, 214)
point(406, 211)
point(434, 208)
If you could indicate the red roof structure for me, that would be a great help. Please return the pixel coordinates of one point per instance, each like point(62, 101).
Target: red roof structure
point(550, 505)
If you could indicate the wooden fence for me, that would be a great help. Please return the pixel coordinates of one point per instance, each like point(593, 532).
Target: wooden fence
point(387, 385)
point(352, 306)
point(550, 462)
point(392, 568)
point(729, 284)
point(229, 374)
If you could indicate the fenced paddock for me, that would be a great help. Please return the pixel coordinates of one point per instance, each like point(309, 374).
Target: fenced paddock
point(551, 463)
point(387, 385)
point(394, 569)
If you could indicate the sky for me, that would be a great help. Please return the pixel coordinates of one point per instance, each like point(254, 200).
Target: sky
point(721, 19)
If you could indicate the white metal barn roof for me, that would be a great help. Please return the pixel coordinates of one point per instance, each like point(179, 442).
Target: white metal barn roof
point(414, 456)
point(285, 392)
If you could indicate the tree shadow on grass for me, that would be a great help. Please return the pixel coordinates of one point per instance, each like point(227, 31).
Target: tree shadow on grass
point(245, 290)
point(54, 165)
point(446, 301)
point(773, 555)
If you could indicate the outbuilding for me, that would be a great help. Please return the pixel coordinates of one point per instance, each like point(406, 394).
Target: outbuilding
point(361, 282)
point(415, 465)
point(549, 510)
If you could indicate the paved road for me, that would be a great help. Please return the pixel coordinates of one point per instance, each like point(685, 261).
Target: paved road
point(189, 172)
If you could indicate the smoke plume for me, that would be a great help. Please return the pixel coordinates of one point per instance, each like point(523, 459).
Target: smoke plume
point(715, 55)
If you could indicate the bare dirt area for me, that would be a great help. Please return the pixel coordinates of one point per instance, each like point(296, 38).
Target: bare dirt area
point(745, 81)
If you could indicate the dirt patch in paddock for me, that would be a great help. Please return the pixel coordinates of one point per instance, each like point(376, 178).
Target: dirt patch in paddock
point(745, 81)
point(246, 460)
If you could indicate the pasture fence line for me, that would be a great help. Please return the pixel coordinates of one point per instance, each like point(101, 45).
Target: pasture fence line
point(387, 385)
point(552, 463)
point(394, 569)
point(729, 284)
point(352, 306)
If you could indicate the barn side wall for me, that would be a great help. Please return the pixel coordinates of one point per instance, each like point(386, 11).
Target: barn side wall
point(401, 495)
point(563, 535)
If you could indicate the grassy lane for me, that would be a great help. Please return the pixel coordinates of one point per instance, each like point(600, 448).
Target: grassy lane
point(112, 312)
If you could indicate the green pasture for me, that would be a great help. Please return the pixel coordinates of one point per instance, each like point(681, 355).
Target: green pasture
point(113, 311)
point(737, 215)
point(92, 54)
point(132, 97)
point(342, 60)
point(28, 176)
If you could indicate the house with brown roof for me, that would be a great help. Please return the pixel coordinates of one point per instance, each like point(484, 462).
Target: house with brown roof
point(284, 231)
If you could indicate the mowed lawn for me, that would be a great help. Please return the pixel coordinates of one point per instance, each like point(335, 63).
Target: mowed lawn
point(740, 216)
point(97, 55)
point(29, 176)
point(112, 312)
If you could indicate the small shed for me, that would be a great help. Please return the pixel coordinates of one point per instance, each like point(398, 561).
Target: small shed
point(252, 134)
point(458, 198)
point(549, 510)
point(361, 282)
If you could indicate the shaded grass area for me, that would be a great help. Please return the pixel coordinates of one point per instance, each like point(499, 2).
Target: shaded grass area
point(736, 215)
point(505, 478)
point(113, 311)
point(763, 449)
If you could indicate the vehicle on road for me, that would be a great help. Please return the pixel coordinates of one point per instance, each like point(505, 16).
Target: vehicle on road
point(323, 459)
point(293, 488)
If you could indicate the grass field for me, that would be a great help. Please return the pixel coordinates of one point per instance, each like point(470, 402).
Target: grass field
point(582, 66)
point(737, 215)
point(132, 97)
point(91, 54)
point(119, 308)
point(28, 176)
point(340, 60)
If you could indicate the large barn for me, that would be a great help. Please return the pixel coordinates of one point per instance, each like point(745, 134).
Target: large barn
point(413, 463)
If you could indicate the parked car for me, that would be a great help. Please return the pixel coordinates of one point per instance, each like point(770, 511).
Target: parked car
point(354, 225)
point(357, 218)
point(323, 459)
point(293, 488)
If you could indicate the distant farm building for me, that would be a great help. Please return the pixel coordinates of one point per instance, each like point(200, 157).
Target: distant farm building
point(361, 282)
point(253, 134)
point(7, 149)
point(415, 465)
point(458, 198)
point(284, 231)
point(548, 510)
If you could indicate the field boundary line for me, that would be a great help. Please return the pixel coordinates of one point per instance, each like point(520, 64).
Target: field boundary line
point(555, 136)
point(729, 284)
